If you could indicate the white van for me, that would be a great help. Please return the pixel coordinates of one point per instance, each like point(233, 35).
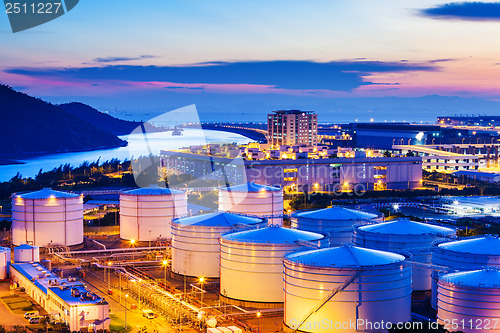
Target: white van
point(30, 314)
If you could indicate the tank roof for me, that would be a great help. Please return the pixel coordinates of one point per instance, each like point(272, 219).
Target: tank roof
point(481, 245)
point(407, 227)
point(153, 190)
point(484, 278)
point(250, 187)
point(272, 235)
point(217, 219)
point(337, 213)
point(26, 247)
point(46, 193)
point(345, 256)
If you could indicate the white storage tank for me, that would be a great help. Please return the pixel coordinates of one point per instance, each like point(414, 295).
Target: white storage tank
point(47, 217)
point(470, 299)
point(337, 222)
point(4, 262)
point(409, 236)
point(465, 255)
point(26, 253)
point(195, 241)
point(335, 288)
point(251, 263)
point(253, 199)
point(146, 213)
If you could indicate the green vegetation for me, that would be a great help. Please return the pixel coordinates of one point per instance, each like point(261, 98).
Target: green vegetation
point(17, 304)
point(30, 125)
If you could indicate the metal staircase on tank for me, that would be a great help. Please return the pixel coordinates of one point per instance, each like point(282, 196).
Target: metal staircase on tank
point(336, 291)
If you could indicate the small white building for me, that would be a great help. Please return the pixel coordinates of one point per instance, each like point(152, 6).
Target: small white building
point(65, 299)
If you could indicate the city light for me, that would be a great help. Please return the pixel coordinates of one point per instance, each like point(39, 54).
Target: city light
point(132, 241)
point(395, 206)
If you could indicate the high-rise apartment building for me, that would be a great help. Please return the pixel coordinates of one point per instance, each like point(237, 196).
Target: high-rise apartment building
point(292, 127)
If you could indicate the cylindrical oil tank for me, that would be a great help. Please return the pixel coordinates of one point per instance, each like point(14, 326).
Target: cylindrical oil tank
point(464, 255)
point(347, 289)
point(47, 218)
point(469, 301)
point(251, 262)
point(253, 199)
point(26, 253)
point(336, 222)
point(146, 213)
point(195, 241)
point(4, 263)
point(408, 236)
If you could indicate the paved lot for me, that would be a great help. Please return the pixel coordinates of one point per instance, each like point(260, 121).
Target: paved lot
point(7, 317)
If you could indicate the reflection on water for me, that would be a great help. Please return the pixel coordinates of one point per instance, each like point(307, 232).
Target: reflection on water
point(156, 141)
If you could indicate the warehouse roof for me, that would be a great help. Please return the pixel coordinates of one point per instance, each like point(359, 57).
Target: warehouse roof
point(45, 280)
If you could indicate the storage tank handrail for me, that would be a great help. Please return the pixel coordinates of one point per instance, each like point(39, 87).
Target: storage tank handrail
point(336, 291)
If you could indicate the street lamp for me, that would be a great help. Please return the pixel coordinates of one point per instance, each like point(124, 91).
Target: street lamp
point(202, 279)
point(109, 276)
point(258, 320)
point(165, 272)
point(396, 207)
point(126, 295)
point(139, 286)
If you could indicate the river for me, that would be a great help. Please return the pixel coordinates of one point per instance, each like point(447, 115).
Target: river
point(137, 147)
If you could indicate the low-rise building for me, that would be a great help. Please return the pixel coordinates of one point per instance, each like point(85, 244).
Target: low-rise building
point(302, 173)
point(66, 300)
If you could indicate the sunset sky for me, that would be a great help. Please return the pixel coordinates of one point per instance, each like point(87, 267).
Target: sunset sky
point(363, 59)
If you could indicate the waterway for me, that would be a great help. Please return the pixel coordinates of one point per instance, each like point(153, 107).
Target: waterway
point(138, 145)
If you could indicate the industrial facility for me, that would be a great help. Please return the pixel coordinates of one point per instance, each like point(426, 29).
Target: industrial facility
point(195, 241)
point(146, 213)
point(250, 262)
point(408, 236)
point(345, 285)
point(253, 199)
point(336, 222)
point(47, 218)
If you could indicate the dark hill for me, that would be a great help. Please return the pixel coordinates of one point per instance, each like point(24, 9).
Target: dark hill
point(30, 125)
point(99, 119)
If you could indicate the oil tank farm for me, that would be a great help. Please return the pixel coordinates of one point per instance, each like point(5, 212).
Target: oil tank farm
point(464, 255)
point(146, 213)
point(470, 299)
point(251, 264)
point(328, 289)
point(195, 241)
point(26, 253)
point(253, 199)
point(408, 236)
point(47, 218)
point(5, 259)
point(336, 222)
